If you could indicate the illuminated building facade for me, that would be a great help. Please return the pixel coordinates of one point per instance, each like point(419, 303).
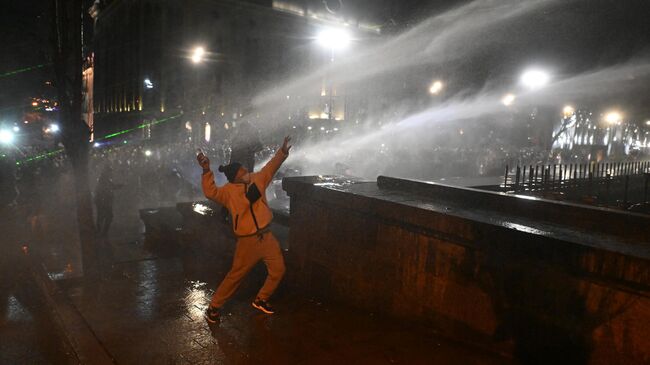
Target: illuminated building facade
point(143, 67)
point(606, 135)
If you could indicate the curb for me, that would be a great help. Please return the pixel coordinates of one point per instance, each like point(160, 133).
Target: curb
point(69, 322)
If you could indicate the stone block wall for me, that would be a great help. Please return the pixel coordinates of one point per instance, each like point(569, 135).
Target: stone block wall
point(537, 297)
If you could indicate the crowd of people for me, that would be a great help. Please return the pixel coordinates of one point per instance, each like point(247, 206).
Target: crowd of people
point(153, 173)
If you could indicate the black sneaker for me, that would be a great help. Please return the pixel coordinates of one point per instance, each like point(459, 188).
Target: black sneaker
point(263, 305)
point(212, 315)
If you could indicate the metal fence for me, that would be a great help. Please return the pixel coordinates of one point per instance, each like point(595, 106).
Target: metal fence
point(542, 178)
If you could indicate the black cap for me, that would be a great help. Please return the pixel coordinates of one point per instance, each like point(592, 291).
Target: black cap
point(230, 170)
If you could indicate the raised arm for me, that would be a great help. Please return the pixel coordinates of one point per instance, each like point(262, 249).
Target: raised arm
point(274, 164)
point(210, 189)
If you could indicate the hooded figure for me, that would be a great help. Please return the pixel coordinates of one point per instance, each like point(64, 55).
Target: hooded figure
point(244, 198)
point(104, 196)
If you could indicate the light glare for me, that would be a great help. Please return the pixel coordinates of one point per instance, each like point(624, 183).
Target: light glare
point(535, 79)
point(208, 132)
point(6, 136)
point(197, 54)
point(508, 99)
point(333, 38)
point(568, 111)
point(613, 117)
point(436, 87)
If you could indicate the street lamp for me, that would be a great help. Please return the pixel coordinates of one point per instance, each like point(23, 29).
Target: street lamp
point(197, 54)
point(436, 87)
point(613, 117)
point(6, 136)
point(54, 128)
point(568, 111)
point(508, 99)
point(333, 39)
point(535, 79)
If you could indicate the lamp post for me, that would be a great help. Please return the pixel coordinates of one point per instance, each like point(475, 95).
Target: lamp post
point(193, 97)
point(332, 40)
point(535, 79)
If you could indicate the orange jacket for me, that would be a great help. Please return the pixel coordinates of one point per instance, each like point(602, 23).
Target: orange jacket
point(247, 218)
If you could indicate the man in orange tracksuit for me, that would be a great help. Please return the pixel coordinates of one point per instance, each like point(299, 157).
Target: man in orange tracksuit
point(244, 196)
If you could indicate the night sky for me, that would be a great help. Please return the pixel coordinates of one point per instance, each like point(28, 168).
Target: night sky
point(572, 37)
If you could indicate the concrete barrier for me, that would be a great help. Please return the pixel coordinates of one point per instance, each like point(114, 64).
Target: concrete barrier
point(162, 227)
point(546, 282)
point(199, 225)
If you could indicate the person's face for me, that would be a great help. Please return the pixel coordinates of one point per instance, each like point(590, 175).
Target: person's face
point(242, 174)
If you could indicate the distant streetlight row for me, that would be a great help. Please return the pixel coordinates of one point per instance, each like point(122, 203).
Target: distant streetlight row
point(7, 136)
point(331, 38)
point(337, 39)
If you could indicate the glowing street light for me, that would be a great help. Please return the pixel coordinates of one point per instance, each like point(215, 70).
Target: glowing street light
point(54, 128)
point(333, 38)
point(6, 136)
point(436, 87)
point(147, 153)
point(16, 129)
point(508, 99)
point(208, 132)
point(535, 79)
point(613, 117)
point(568, 111)
point(197, 54)
point(647, 122)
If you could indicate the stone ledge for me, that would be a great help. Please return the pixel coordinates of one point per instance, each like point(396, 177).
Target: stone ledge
point(535, 289)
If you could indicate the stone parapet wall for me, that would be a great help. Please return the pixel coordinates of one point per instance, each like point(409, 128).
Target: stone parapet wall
point(545, 282)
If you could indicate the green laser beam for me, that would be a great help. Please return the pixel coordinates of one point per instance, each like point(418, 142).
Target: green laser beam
point(40, 157)
point(143, 125)
point(14, 72)
point(108, 136)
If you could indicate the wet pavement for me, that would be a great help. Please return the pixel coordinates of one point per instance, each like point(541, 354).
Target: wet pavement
point(26, 333)
point(147, 308)
point(150, 311)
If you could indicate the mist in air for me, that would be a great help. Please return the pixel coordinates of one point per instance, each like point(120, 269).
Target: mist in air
point(429, 136)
